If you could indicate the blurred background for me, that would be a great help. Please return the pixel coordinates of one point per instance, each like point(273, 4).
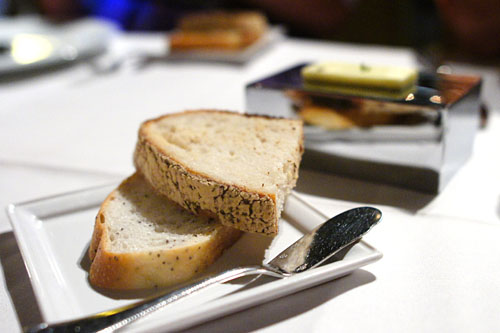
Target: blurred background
point(452, 29)
point(75, 126)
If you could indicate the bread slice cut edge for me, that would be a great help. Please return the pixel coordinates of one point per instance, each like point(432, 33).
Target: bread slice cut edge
point(234, 205)
point(154, 268)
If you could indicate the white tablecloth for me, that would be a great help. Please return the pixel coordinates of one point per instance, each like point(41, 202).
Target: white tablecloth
point(71, 129)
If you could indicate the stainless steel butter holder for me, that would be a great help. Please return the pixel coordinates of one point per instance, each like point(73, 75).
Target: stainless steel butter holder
point(417, 142)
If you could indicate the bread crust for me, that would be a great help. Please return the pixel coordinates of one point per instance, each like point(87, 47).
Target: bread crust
point(250, 25)
point(234, 206)
point(189, 40)
point(150, 269)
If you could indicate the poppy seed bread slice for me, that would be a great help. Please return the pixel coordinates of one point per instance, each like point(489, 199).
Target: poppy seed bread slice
point(239, 167)
point(142, 240)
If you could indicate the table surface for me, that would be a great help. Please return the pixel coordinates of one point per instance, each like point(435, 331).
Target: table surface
point(72, 128)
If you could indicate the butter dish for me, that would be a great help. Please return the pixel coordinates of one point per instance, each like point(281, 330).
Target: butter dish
point(416, 134)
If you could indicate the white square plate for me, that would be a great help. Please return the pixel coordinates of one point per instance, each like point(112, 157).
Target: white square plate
point(53, 235)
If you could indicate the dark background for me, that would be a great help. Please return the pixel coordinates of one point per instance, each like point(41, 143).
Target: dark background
point(464, 29)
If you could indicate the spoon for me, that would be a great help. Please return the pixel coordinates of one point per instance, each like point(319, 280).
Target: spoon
point(311, 250)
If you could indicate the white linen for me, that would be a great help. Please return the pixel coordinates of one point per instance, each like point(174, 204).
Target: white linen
point(72, 128)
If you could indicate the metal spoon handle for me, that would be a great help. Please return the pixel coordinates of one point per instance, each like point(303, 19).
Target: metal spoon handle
point(110, 321)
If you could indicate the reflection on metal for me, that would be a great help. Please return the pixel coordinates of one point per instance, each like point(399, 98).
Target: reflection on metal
point(444, 69)
point(326, 240)
point(30, 48)
point(418, 141)
point(435, 99)
point(68, 52)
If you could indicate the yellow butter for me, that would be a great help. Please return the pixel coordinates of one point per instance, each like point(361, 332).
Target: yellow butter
point(361, 91)
point(360, 75)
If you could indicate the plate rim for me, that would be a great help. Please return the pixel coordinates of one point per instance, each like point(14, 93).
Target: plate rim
point(217, 307)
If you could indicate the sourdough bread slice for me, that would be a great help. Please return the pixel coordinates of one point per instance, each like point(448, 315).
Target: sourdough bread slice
point(192, 40)
point(236, 166)
point(250, 25)
point(143, 240)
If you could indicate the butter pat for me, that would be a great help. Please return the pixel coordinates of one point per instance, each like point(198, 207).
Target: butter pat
point(360, 75)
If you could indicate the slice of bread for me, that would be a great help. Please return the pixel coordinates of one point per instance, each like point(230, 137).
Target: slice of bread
point(251, 25)
point(236, 166)
point(142, 240)
point(217, 39)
